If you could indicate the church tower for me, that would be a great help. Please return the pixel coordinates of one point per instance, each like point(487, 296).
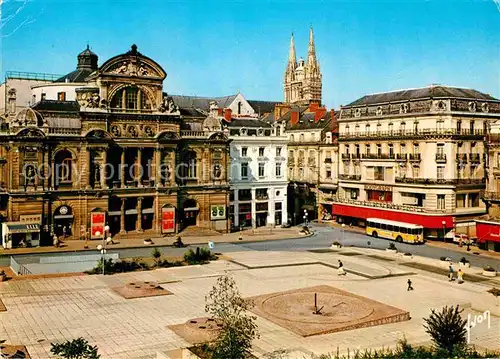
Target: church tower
point(303, 79)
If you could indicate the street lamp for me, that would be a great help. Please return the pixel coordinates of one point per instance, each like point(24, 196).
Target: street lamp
point(305, 217)
point(101, 248)
point(444, 231)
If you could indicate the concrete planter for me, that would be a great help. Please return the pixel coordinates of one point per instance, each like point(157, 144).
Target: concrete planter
point(462, 264)
point(489, 274)
point(335, 246)
point(148, 241)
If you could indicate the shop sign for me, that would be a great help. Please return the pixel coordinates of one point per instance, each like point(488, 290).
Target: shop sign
point(373, 187)
point(217, 212)
point(168, 220)
point(97, 224)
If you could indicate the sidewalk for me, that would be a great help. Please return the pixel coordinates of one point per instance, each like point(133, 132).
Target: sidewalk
point(257, 235)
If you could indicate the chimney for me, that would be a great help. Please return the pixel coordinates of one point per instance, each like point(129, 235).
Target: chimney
point(313, 106)
point(320, 112)
point(228, 114)
point(335, 125)
point(294, 119)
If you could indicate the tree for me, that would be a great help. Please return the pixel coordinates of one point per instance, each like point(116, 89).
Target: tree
point(75, 349)
point(447, 329)
point(226, 306)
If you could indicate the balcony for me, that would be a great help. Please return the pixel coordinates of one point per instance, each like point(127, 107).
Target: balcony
point(401, 157)
point(461, 157)
point(415, 157)
point(475, 157)
point(356, 156)
point(193, 134)
point(384, 205)
point(350, 177)
point(420, 133)
point(64, 131)
point(440, 158)
point(346, 156)
point(441, 181)
point(378, 156)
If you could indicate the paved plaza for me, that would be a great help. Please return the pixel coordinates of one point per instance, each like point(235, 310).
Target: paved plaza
point(45, 310)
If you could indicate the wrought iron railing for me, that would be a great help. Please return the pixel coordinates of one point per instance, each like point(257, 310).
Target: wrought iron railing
point(432, 181)
point(412, 132)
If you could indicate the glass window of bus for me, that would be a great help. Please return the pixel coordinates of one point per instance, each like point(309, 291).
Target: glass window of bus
point(369, 224)
point(396, 229)
point(403, 230)
point(390, 227)
point(383, 226)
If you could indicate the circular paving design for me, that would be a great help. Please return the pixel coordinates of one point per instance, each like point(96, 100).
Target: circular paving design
point(299, 307)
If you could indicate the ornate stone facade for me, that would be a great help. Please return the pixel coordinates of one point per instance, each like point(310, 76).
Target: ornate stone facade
point(118, 151)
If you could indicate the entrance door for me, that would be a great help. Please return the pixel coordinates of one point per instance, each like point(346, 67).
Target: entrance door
point(190, 218)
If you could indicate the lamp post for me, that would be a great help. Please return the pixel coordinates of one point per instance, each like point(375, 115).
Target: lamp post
point(102, 248)
point(444, 231)
point(305, 217)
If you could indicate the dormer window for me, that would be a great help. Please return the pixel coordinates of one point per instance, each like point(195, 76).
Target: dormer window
point(61, 96)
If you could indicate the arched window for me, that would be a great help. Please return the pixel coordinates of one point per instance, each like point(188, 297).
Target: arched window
point(301, 137)
point(292, 138)
point(131, 98)
point(192, 165)
point(64, 163)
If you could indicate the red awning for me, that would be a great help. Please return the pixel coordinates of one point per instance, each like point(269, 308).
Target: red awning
point(424, 219)
point(487, 231)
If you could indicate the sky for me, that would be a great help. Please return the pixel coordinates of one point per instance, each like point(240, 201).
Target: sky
point(217, 48)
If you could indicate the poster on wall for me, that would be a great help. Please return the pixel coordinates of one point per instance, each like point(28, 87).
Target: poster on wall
point(217, 212)
point(168, 220)
point(97, 224)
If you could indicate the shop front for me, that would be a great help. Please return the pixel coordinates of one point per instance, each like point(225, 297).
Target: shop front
point(20, 234)
point(488, 234)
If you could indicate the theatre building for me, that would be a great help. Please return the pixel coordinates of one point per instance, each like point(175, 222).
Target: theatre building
point(416, 156)
point(105, 145)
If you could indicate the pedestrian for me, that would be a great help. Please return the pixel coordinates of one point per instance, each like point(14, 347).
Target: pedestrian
point(56, 241)
point(451, 273)
point(340, 270)
point(409, 285)
point(460, 276)
point(64, 231)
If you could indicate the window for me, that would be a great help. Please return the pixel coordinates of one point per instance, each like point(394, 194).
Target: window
point(357, 151)
point(459, 126)
point(390, 127)
point(473, 199)
point(278, 151)
point(415, 126)
point(278, 206)
point(346, 129)
point(440, 125)
point(367, 128)
point(367, 150)
point(61, 96)
point(391, 150)
point(356, 129)
point(192, 168)
point(472, 126)
point(244, 195)
point(403, 149)
point(290, 156)
point(301, 137)
point(278, 169)
point(440, 149)
point(244, 151)
point(379, 173)
point(402, 126)
point(416, 149)
point(416, 172)
point(292, 138)
point(239, 107)
point(44, 95)
point(278, 131)
point(379, 150)
point(261, 194)
point(244, 170)
point(328, 174)
point(301, 173)
point(347, 148)
point(379, 127)
point(440, 172)
point(460, 200)
point(261, 169)
point(261, 151)
point(440, 201)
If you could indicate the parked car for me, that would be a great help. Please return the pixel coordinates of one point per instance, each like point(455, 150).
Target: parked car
point(459, 237)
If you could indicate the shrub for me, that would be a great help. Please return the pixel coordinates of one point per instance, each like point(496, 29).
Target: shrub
point(463, 260)
point(407, 254)
point(392, 246)
point(489, 269)
point(336, 243)
point(122, 266)
point(75, 349)
point(447, 329)
point(166, 264)
point(201, 256)
point(495, 292)
point(442, 258)
point(156, 254)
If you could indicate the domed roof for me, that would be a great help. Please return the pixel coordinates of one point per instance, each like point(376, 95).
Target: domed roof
point(28, 117)
point(87, 63)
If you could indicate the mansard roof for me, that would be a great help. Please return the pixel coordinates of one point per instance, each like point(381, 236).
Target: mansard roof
point(433, 91)
point(75, 76)
point(202, 103)
point(263, 107)
point(56, 106)
point(247, 123)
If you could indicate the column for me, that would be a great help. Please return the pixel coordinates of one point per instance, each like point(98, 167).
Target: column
point(122, 168)
point(139, 215)
point(139, 169)
point(124, 99)
point(52, 175)
point(88, 168)
point(254, 210)
point(157, 167)
point(236, 207)
point(103, 168)
point(122, 217)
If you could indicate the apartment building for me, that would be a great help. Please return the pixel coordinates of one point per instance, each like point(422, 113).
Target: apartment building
point(417, 156)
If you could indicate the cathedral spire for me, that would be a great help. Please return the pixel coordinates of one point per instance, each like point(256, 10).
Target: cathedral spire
point(311, 54)
point(292, 59)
